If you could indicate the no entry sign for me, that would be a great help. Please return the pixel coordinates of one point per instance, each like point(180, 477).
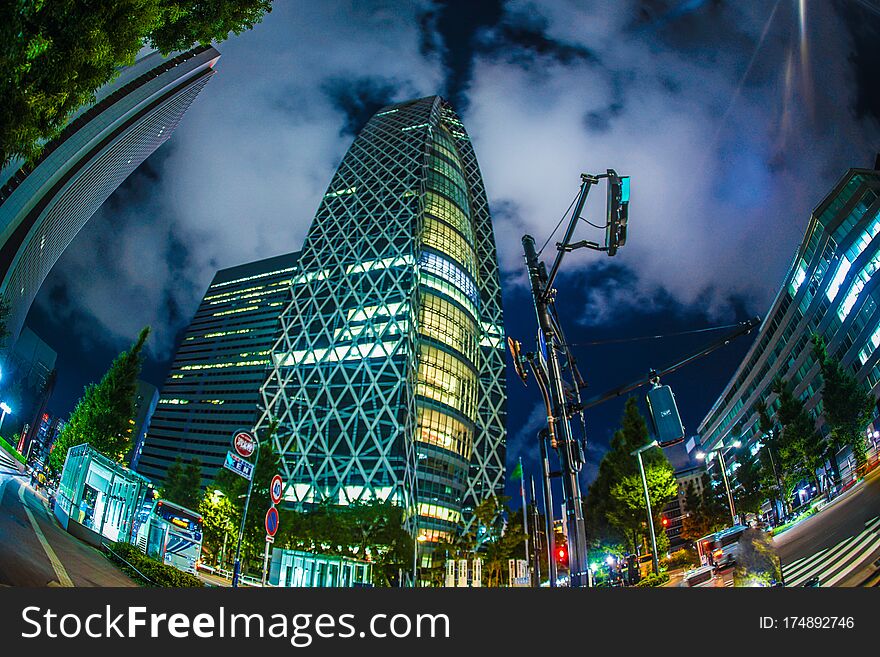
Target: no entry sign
point(275, 489)
point(271, 521)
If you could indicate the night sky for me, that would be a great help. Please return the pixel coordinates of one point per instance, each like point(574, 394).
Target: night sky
point(733, 119)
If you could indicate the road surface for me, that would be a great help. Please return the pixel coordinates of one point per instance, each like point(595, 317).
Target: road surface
point(840, 543)
point(36, 551)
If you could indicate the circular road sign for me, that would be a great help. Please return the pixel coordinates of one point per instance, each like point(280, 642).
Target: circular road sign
point(272, 521)
point(244, 443)
point(275, 489)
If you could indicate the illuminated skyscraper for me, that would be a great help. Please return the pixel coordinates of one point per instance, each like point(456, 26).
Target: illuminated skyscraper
point(213, 386)
point(45, 203)
point(388, 378)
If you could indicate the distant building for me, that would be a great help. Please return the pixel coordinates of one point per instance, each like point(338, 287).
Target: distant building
point(831, 289)
point(49, 427)
point(213, 387)
point(389, 378)
point(44, 203)
point(687, 471)
point(145, 400)
point(28, 377)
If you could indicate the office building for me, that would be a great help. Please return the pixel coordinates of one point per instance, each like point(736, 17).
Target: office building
point(388, 379)
point(45, 203)
point(831, 289)
point(145, 399)
point(213, 386)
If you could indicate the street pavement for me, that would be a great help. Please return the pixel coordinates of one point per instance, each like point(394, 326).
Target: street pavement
point(36, 551)
point(839, 544)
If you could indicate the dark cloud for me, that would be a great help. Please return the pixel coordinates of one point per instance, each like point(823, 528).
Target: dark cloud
point(359, 98)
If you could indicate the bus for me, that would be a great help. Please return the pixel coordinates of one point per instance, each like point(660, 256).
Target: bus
point(719, 548)
point(172, 534)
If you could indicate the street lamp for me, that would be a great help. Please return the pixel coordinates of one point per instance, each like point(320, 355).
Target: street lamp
point(421, 538)
point(638, 454)
point(5, 408)
point(720, 451)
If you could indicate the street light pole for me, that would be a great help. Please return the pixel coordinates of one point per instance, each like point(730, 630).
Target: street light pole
point(638, 455)
point(727, 486)
point(236, 569)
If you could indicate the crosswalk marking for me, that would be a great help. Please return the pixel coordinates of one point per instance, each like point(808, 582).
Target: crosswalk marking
point(835, 563)
point(7, 461)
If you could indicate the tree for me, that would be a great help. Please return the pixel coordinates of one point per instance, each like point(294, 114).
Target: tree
point(750, 494)
point(770, 458)
point(610, 512)
point(706, 507)
point(55, 55)
point(103, 416)
point(802, 447)
point(183, 484)
point(846, 406)
point(218, 527)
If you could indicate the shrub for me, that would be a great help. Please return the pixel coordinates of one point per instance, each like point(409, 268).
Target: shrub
point(681, 558)
point(654, 580)
point(141, 566)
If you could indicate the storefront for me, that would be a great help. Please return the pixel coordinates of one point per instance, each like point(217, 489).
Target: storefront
point(98, 498)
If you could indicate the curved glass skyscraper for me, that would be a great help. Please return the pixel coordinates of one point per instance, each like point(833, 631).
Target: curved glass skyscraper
point(388, 377)
point(45, 203)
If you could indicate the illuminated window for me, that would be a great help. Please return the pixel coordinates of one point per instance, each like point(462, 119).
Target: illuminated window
point(447, 380)
point(449, 271)
point(442, 430)
point(444, 209)
point(439, 235)
point(446, 323)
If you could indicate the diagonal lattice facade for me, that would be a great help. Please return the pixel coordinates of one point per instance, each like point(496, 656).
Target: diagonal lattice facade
point(388, 373)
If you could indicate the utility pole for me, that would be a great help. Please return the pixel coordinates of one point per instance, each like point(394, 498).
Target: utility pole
point(561, 404)
point(236, 569)
point(536, 552)
point(565, 442)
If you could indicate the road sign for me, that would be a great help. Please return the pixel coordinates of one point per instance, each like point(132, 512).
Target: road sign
point(275, 489)
point(270, 539)
point(244, 443)
point(239, 466)
point(271, 521)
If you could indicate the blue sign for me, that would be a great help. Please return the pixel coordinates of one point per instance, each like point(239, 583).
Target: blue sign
point(239, 466)
point(271, 521)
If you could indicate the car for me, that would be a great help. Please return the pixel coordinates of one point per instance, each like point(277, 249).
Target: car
point(702, 576)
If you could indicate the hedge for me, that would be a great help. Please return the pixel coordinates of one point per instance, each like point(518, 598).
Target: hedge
point(153, 572)
point(654, 580)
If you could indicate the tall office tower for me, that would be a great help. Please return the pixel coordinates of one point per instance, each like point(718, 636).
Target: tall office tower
point(44, 203)
point(213, 387)
point(831, 289)
point(388, 378)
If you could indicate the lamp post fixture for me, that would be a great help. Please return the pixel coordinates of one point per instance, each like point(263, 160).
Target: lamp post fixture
point(720, 451)
point(638, 454)
point(5, 408)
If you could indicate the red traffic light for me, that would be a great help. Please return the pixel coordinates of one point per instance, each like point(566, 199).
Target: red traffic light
point(665, 521)
point(562, 555)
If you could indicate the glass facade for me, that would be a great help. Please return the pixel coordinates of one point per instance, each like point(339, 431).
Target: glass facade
point(45, 203)
point(213, 386)
point(831, 289)
point(388, 376)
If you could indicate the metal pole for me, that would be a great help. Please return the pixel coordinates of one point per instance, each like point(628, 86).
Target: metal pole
point(727, 486)
point(536, 552)
point(415, 577)
point(572, 499)
point(265, 563)
point(654, 558)
point(522, 491)
point(236, 569)
point(548, 512)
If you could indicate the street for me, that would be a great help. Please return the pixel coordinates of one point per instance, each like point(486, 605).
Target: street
point(36, 551)
point(838, 544)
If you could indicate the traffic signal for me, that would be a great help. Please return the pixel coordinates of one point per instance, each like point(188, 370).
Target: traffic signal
point(562, 555)
point(663, 412)
point(665, 521)
point(618, 211)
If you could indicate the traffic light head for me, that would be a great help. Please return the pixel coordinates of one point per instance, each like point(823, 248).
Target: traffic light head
point(562, 555)
point(618, 211)
point(665, 521)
